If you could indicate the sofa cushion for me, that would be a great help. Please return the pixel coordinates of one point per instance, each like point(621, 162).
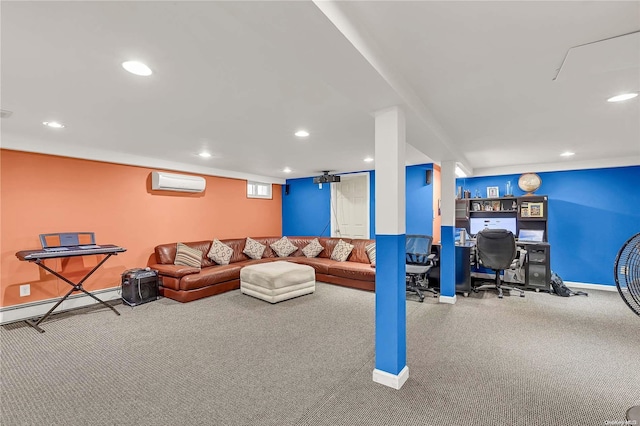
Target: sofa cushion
point(341, 251)
point(359, 252)
point(353, 271)
point(237, 245)
point(371, 252)
point(220, 253)
point(176, 271)
point(166, 253)
point(187, 256)
point(283, 247)
point(253, 249)
point(329, 244)
point(267, 241)
point(320, 264)
point(210, 276)
point(300, 243)
point(313, 248)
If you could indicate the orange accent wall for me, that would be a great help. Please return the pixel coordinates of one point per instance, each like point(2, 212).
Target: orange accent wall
point(437, 196)
point(42, 194)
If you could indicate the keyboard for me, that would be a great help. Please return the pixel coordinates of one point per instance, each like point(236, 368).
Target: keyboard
point(56, 252)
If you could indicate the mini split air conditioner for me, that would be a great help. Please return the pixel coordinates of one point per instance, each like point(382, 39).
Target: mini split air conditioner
point(162, 181)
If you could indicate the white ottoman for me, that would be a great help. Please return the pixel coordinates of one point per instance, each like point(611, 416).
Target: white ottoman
point(277, 281)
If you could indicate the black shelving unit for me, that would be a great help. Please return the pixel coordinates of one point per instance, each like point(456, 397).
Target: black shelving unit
point(530, 211)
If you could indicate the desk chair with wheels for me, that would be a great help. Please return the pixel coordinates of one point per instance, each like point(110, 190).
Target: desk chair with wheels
point(419, 261)
point(496, 249)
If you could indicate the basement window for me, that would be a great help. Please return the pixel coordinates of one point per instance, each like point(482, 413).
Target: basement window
point(258, 190)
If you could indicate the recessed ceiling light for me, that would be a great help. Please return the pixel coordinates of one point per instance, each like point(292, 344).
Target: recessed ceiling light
point(567, 154)
point(204, 155)
point(286, 170)
point(137, 68)
point(623, 97)
point(53, 124)
point(302, 133)
point(368, 159)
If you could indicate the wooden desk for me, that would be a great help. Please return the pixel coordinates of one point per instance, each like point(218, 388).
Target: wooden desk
point(537, 266)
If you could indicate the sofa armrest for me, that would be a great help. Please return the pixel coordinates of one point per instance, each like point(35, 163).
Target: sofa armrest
point(176, 271)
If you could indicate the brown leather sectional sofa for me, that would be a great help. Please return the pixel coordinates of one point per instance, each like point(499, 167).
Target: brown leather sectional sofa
point(184, 283)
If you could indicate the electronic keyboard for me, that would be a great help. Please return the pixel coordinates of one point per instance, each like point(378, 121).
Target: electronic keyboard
point(69, 251)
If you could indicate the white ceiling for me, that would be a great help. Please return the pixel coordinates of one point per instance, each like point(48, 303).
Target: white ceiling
point(477, 81)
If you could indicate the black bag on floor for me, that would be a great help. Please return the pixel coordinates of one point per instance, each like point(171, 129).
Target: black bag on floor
point(558, 287)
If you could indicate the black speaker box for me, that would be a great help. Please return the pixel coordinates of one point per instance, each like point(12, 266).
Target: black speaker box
point(429, 176)
point(286, 189)
point(139, 286)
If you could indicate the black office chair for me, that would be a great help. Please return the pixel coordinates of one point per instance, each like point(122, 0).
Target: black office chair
point(419, 261)
point(496, 249)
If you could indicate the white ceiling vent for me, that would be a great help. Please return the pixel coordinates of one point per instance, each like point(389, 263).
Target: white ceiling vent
point(162, 181)
point(5, 114)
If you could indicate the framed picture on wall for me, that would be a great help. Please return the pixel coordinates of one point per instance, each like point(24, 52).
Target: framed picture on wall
point(536, 210)
point(493, 192)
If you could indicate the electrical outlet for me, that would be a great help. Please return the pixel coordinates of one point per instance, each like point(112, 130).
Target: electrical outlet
point(25, 290)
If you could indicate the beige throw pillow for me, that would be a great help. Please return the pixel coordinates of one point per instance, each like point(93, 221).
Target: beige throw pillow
point(283, 247)
point(253, 249)
point(220, 253)
point(187, 256)
point(313, 248)
point(371, 252)
point(341, 251)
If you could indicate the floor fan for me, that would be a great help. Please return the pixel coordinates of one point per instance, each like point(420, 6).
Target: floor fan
point(627, 273)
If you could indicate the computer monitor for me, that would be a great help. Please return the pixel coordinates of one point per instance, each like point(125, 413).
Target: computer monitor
point(477, 224)
point(536, 235)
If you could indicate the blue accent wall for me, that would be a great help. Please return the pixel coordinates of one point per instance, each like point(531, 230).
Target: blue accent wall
point(307, 209)
point(591, 213)
point(419, 201)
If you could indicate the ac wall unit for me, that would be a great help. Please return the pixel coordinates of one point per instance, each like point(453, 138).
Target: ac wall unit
point(162, 181)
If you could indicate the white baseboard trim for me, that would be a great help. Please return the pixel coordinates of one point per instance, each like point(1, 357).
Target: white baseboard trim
point(604, 287)
point(448, 299)
point(391, 380)
point(25, 311)
point(569, 284)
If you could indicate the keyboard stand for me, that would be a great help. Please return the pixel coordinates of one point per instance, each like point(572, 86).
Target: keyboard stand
point(74, 287)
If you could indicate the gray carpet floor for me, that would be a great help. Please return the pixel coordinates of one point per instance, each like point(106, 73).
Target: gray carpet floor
point(234, 360)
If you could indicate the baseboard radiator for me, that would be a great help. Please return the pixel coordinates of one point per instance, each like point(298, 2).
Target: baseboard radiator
point(25, 311)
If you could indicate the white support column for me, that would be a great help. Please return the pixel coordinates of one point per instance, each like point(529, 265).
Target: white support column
point(448, 236)
point(391, 324)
